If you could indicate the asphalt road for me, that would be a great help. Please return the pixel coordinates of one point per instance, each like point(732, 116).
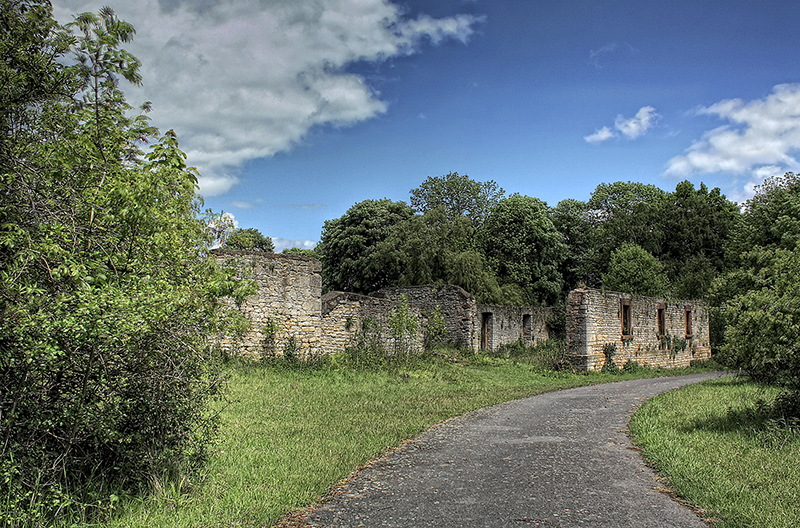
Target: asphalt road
point(560, 459)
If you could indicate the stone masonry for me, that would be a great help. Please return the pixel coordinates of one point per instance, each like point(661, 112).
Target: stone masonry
point(289, 313)
point(650, 331)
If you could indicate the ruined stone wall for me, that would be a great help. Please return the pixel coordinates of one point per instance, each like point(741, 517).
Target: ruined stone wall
point(286, 308)
point(348, 316)
point(596, 318)
point(502, 325)
point(457, 307)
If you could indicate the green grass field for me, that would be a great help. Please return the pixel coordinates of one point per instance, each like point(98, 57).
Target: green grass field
point(289, 435)
point(722, 449)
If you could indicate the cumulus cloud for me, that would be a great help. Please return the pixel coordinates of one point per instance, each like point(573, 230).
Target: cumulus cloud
point(638, 125)
point(600, 135)
point(760, 133)
point(244, 80)
point(760, 139)
point(630, 127)
point(285, 243)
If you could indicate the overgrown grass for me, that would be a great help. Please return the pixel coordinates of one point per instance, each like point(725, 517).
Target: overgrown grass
point(291, 430)
point(724, 447)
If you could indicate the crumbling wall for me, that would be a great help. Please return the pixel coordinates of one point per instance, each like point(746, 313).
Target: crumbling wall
point(650, 331)
point(285, 312)
point(502, 325)
point(346, 317)
point(456, 305)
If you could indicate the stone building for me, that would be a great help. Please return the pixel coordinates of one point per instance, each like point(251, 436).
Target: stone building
point(288, 313)
point(650, 331)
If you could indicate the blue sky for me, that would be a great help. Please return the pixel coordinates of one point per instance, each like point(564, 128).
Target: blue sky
point(294, 110)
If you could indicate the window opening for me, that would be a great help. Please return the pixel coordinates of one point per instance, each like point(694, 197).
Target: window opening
point(662, 319)
point(486, 320)
point(689, 321)
point(627, 326)
point(526, 325)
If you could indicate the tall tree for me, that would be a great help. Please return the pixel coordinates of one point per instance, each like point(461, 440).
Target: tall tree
point(349, 245)
point(249, 239)
point(434, 248)
point(771, 217)
point(106, 303)
point(572, 219)
point(524, 248)
point(697, 225)
point(459, 195)
point(633, 270)
point(625, 212)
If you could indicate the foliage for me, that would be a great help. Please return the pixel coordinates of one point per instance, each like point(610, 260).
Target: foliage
point(313, 253)
point(771, 218)
point(523, 247)
point(609, 366)
point(763, 322)
point(698, 224)
point(634, 270)
point(349, 245)
point(459, 195)
point(435, 329)
point(624, 213)
point(105, 297)
point(403, 326)
point(572, 219)
point(249, 239)
point(218, 226)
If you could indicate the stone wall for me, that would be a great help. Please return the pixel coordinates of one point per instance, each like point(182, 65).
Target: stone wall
point(650, 331)
point(501, 325)
point(348, 316)
point(286, 308)
point(456, 305)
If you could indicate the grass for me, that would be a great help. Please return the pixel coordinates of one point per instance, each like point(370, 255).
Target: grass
point(289, 435)
point(721, 446)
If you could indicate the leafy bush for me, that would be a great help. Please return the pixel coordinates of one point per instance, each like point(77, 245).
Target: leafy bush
point(106, 292)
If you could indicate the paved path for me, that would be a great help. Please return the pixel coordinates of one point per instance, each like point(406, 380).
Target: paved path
point(560, 459)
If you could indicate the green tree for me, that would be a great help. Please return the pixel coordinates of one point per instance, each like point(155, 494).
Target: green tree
point(571, 219)
point(434, 248)
point(524, 248)
point(459, 195)
point(313, 253)
point(249, 239)
point(624, 212)
point(106, 301)
point(763, 321)
point(697, 225)
point(634, 270)
point(349, 245)
point(771, 217)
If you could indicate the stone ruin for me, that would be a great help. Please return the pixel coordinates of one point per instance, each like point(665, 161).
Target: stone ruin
point(289, 312)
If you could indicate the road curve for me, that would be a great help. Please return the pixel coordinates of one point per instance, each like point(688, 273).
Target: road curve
point(560, 459)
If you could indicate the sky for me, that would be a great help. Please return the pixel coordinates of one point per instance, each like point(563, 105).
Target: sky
point(295, 110)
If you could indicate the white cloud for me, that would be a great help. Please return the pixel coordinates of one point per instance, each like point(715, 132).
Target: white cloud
point(631, 128)
point(285, 243)
point(244, 80)
point(638, 125)
point(596, 55)
point(762, 135)
point(599, 136)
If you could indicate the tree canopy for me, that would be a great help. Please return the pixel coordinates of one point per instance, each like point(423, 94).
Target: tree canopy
point(249, 239)
point(106, 300)
point(459, 195)
point(524, 248)
point(349, 245)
